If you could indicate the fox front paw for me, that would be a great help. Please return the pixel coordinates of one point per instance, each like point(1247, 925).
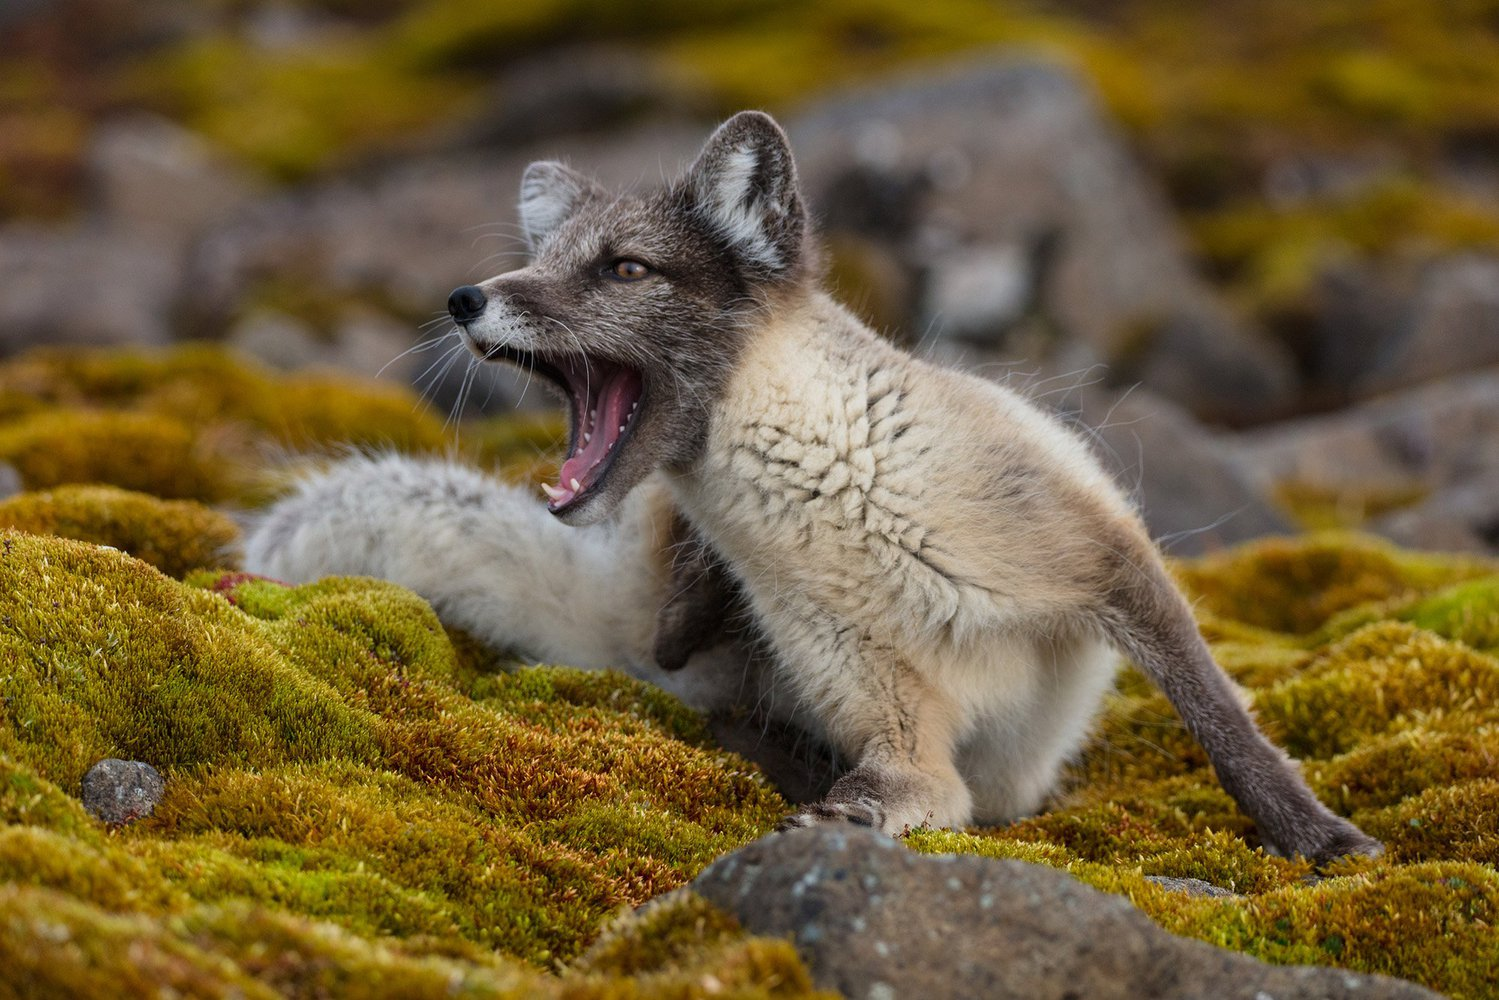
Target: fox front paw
point(861, 813)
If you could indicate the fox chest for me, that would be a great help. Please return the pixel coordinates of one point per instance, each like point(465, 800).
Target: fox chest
point(813, 490)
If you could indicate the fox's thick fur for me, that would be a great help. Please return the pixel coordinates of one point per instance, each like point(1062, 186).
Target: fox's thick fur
point(941, 573)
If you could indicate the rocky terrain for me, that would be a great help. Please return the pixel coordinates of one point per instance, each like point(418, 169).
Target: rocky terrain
point(1273, 305)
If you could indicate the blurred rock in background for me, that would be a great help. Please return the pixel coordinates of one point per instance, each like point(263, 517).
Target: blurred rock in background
point(1259, 266)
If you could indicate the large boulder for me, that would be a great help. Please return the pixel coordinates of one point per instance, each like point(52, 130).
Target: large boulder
point(1192, 491)
point(89, 284)
point(872, 919)
point(1010, 194)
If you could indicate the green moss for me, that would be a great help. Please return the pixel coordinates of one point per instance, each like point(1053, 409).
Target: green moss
point(385, 801)
point(135, 451)
point(193, 423)
point(706, 949)
point(173, 536)
point(1368, 664)
point(1467, 612)
point(324, 762)
point(1297, 585)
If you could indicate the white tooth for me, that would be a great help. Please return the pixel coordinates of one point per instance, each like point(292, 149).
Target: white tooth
point(621, 428)
point(577, 487)
point(586, 436)
point(553, 492)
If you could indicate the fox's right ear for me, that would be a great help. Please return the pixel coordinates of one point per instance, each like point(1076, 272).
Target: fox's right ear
point(549, 193)
point(744, 186)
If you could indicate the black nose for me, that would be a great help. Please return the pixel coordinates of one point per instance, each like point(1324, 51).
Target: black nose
point(466, 303)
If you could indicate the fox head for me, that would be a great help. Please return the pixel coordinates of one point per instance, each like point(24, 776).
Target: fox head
point(636, 307)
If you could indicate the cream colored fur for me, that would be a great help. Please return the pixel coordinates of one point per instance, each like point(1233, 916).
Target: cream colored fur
point(492, 561)
point(926, 615)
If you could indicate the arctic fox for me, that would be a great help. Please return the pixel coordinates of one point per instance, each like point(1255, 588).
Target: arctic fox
point(940, 573)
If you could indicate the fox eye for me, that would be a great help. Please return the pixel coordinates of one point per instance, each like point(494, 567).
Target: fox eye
point(629, 270)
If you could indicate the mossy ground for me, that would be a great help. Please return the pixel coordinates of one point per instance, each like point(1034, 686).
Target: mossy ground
point(1376, 668)
point(360, 802)
point(341, 784)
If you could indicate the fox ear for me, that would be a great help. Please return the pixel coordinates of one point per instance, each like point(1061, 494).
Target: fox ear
point(549, 193)
point(743, 186)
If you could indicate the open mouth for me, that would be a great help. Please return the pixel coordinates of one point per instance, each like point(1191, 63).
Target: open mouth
point(605, 399)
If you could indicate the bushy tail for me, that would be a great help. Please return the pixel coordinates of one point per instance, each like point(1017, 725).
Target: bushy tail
point(487, 555)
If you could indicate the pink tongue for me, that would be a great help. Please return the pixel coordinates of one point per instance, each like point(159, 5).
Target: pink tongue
point(613, 412)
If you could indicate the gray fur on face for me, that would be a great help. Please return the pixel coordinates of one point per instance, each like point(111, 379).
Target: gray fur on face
point(719, 244)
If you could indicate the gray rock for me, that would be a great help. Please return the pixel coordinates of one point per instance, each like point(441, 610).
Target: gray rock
point(1192, 887)
point(1013, 151)
point(277, 340)
point(84, 286)
point(118, 791)
point(404, 236)
point(586, 88)
point(1360, 308)
point(872, 919)
point(150, 176)
point(978, 292)
point(1421, 441)
point(1450, 326)
point(1463, 518)
point(1195, 496)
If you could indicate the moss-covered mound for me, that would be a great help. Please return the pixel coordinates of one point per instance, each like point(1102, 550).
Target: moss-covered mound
point(175, 536)
point(195, 423)
point(1379, 669)
point(361, 803)
point(351, 807)
point(201, 423)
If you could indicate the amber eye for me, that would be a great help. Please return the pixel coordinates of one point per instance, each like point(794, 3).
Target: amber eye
point(629, 270)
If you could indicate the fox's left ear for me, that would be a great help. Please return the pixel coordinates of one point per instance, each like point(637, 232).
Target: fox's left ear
point(744, 186)
point(549, 193)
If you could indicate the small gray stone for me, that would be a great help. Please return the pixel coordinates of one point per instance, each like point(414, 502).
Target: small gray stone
point(10, 481)
point(1192, 887)
point(871, 918)
point(118, 791)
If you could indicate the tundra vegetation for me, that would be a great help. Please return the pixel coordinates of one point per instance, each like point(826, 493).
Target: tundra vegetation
point(360, 801)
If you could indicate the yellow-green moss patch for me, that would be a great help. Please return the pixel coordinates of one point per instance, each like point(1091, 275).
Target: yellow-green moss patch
point(1372, 666)
point(325, 763)
point(196, 423)
point(173, 536)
